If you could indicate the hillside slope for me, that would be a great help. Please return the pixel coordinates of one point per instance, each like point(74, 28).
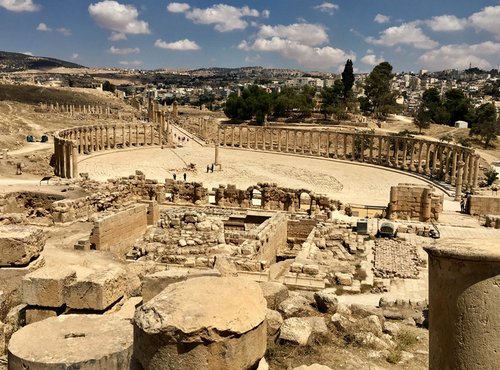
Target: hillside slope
point(12, 62)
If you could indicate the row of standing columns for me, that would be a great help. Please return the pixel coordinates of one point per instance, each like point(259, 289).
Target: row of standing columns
point(68, 144)
point(72, 108)
point(437, 160)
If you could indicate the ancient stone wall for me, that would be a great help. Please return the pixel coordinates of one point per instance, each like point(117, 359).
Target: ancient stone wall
point(414, 202)
point(483, 205)
point(268, 238)
point(118, 232)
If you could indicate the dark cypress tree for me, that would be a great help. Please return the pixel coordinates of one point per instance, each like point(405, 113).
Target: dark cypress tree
point(348, 77)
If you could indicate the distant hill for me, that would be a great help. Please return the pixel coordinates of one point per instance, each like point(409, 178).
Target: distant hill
point(11, 62)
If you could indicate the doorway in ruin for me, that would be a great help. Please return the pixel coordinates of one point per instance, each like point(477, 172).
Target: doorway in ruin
point(304, 201)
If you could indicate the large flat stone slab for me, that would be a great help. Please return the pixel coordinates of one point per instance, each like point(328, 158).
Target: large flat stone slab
point(84, 342)
point(98, 290)
point(46, 286)
point(20, 244)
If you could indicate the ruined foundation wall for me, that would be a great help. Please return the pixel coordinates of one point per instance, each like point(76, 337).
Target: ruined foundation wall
point(484, 205)
point(272, 235)
point(118, 232)
point(414, 202)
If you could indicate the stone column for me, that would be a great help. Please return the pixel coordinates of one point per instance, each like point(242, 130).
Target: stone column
point(371, 138)
point(466, 168)
point(279, 140)
point(396, 153)
point(388, 151)
point(302, 141)
point(447, 165)
point(294, 141)
point(232, 136)
point(75, 160)
point(68, 153)
point(420, 152)
point(380, 143)
point(152, 134)
point(310, 142)
point(129, 135)
point(404, 165)
point(412, 167)
point(145, 141)
point(328, 136)
point(336, 141)
point(225, 136)
point(454, 166)
point(240, 137)
point(476, 171)
point(471, 170)
point(458, 187)
point(361, 147)
point(319, 144)
point(437, 150)
point(463, 304)
point(427, 169)
point(62, 157)
point(287, 139)
point(344, 156)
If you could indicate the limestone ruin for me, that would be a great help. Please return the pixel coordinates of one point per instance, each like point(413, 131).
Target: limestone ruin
point(141, 273)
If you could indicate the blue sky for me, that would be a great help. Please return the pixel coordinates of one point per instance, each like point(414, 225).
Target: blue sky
point(304, 34)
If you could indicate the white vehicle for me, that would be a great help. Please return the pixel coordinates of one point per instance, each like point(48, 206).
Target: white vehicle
point(495, 166)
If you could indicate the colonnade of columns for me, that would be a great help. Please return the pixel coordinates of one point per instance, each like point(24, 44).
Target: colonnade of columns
point(69, 143)
point(72, 108)
point(437, 160)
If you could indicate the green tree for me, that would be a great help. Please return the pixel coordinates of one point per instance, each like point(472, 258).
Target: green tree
point(422, 118)
point(458, 106)
point(108, 86)
point(486, 125)
point(253, 102)
point(333, 100)
point(378, 90)
point(348, 78)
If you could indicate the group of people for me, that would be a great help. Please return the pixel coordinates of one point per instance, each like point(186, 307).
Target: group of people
point(210, 168)
point(183, 138)
point(463, 202)
point(184, 176)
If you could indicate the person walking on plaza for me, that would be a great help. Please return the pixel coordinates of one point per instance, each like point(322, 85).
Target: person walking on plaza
point(185, 176)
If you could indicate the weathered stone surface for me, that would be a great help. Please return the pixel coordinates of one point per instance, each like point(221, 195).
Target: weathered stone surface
point(318, 325)
point(313, 367)
point(274, 322)
point(20, 244)
point(296, 330)
point(203, 323)
point(371, 324)
point(38, 314)
point(263, 365)
point(153, 284)
point(326, 300)
point(85, 342)
point(295, 306)
point(98, 290)
point(391, 328)
point(274, 293)
point(45, 287)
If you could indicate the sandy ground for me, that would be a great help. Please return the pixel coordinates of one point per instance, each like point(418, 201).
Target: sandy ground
point(349, 182)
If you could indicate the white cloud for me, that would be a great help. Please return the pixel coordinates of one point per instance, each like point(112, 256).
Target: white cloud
point(75, 56)
point(117, 17)
point(266, 13)
point(306, 55)
point(487, 20)
point(406, 33)
point(446, 23)
point(19, 5)
point(64, 31)
point(117, 36)
point(130, 63)
point(304, 33)
point(42, 27)
point(327, 7)
point(371, 59)
point(252, 58)
point(178, 7)
point(27, 53)
point(460, 56)
point(123, 51)
point(224, 17)
point(180, 45)
point(380, 18)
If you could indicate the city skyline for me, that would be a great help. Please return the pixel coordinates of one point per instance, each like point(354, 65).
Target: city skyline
point(308, 35)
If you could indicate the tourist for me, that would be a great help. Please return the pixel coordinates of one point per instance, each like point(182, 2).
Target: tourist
point(212, 168)
point(175, 176)
point(462, 205)
point(208, 168)
point(185, 176)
